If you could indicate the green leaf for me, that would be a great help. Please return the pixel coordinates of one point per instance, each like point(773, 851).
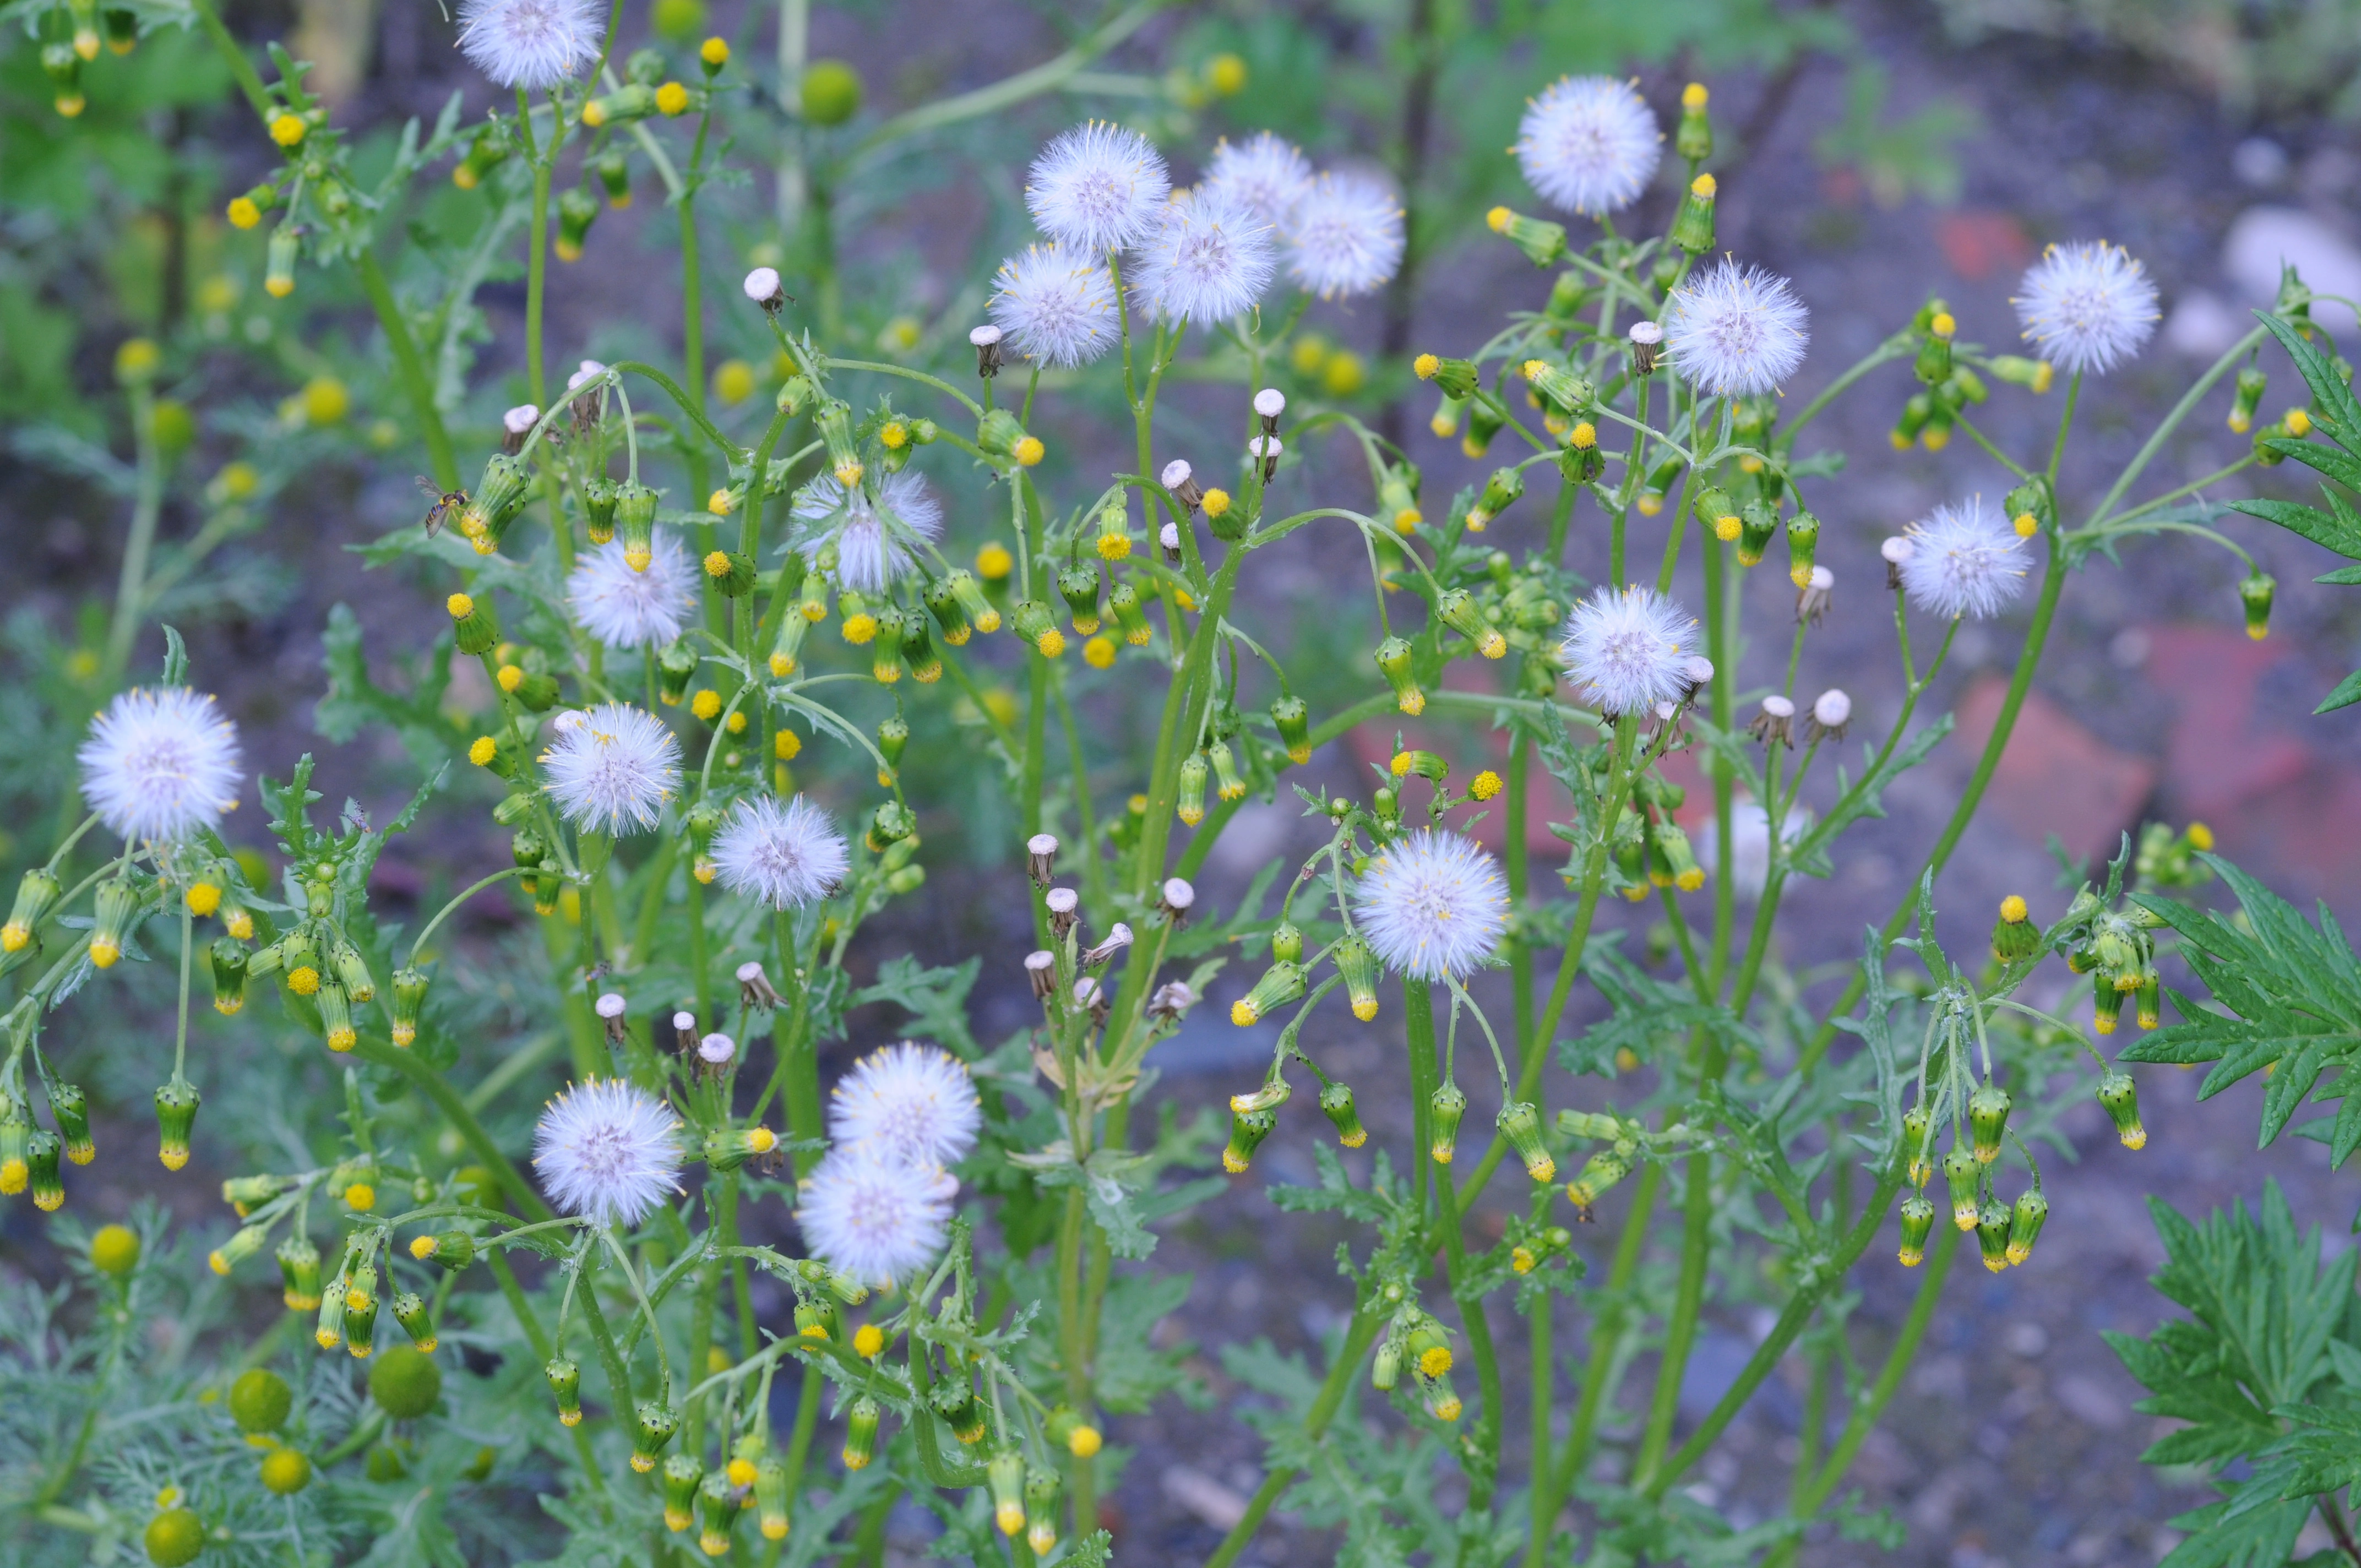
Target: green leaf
point(2348, 690)
point(354, 700)
point(2327, 532)
point(2257, 1283)
point(2329, 390)
point(2261, 1539)
point(936, 1000)
point(1811, 855)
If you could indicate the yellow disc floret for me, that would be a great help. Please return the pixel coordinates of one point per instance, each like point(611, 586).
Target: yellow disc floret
point(483, 751)
point(288, 130)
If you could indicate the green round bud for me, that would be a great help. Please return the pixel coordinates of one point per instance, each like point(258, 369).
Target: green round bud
point(175, 426)
point(174, 1537)
point(260, 1401)
point(678, 20)
point(405, 1382)
point(831, 92)
point(285, 1471)
point(114, 1249)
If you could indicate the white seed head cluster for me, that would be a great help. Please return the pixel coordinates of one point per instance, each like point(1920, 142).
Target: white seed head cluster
point(1589, 145)
point(870, 557)
point(1736, 331)
point(878, 1220)
point(530, 44)
point(160, 764)
point(1264, 174)
point(1433, 906)
point(613, 771)
point(624, 609)
point(2089, 306)
point(1964, 559)
point(1346, 236)
point(1057, 306)
point(782, 856)
point(911, 1103)
point(607, 1150)
point(1098, 188)
point(1629, 649)
point(1207, 260)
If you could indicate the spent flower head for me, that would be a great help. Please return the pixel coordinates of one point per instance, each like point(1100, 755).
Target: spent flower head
point(878, 1220)
point(530, 44)
point(613, 771)
point(1433, 906)
point(1266, 174)
point(1207, 260)
point(870, 555)
point(1629, 649)
point(160, 763)
point(1964, 559)
point(1346, 236)
point(1736, 331)
point(1057, 306)
point(1588, 145)
point(2089, 305)
point(624, 609)
point(782, 856)
point(1098, 188)
point(607, 1150)
point(908, 1102)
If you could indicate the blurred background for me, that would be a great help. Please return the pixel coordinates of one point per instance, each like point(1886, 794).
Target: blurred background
point(1876, 152)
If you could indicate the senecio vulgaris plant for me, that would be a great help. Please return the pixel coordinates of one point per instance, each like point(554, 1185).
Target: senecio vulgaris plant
point(884, 540)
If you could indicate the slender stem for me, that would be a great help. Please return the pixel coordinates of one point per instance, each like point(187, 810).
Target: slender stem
point(147, 508)
point(1680, 1332)
point(416, 384)
point(382, 1052)
point(1869, 1407)
point(1357, 1340)
point(536, 276)
point(444, 913)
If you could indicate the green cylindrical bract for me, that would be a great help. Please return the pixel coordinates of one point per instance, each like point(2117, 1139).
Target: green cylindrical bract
point(1358, 967)
point(1247, 1130)
point(409, 996)
point(1336, 1103)
point(1443, 1109)
point(1280, 984)
point(1501, 492)
point(1520, 1123)
point(1292, 718)
point(1598, 1173)
point(1803, 541)
point(1191, 803)
point(37, 893)
point(1004, 1475)
point(1693, 222)
point(71, 1107)
point(1917, 1220)
point(682, 1476)
point(2030, 1212)
point(299, 1273)
point(1921, 1159)
point(1393, 656)
point(1079, 586)
point(654, 1424)
point(861, 1433)
point(2120, 1095)
point(1988, 1109)
point(176, 1114)
point(1123, 602)
point(636, 523)
point(2254, 595)
point(227, 959)
point(1993, 1221)
point(1961, 1175)
point(1757, 521)
point(565, 1383)
point(410, 1311)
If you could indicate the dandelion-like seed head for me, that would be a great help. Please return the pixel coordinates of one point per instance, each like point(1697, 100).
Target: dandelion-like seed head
point(2089, 305)
point(871, 553)
point(1056, 305)
point(1589, 145)
point(1433, 906)
point(530, 44)
point(625, 609)
point(907, 1103)
point(1346, 237)
point(1629, 649)
point(607, 1150)
point(1266, 174)
point(1098, 188)
point(1965, 560)
point(784, 856)
point(1208, 259)
point(160, 764)
point(878, 1219)
point(612, 771)
point(1737, 330)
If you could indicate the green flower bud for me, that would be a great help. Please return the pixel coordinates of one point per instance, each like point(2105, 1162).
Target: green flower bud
point(360, 1311)
point(1961, 1174)
point(1358, 967)
point(1079, 586)
point(1520, 1123)
point(1336, 1103)
point(2035, 375)
point(228, 958)
point(1693, 224)
point(1385, 1370)
point(1191, 804)
point(2120, 1095)
point(682, 1476)
point(451, 1250)
point(335, 1016)
point(2025, 1220)
point(1443, 1109)
point(299, 1274)
point(1988, 1109)
point(1040, 1510)
point(716, 1511)
point(1247, 1130)
point(176, 1114)
point(2254, 594)
point(771, 1496)
point(1457, 377)
point(636, 523)
point(116, 912)
point(1228, 783)
point(1501, 492)
point(260, 1401)
point(1915, 1147)
point(1561, 389)
point(1005, 1475)
point(1279, 984)
point(1458, 609)
point(1693, 138)
point(42, 1152)
point(177, 1536)
point(861, 1433)
point(1993, 1220)
point(1600, 1172)
point(565, 1382)
point(37, 893)
point(654, 1424)
point(1036, 625)
point(1917, 1220)
point(1130, 617)
point(1292, 718)
point(71, 1107)
point(2248, 397)
point(1393, 656)
point(1541, 241)
point(1803, 540)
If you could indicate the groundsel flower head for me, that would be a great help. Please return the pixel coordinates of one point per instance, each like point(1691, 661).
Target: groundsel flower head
point(606, 1150)
point(1629, 651)
point(530, 44)
point(612, 771)
point(160, 764)
point(877, 1219)
point(869, 555)
point(1208, 259)
point(784, 856)
point(1264, 174)
point(1056, 305)
point(1433, 906)
point(1097, 187)
point(906, 1102)
point(1347, 236)
point(1588, 145)
point(2088, 305)
point(625, 609)
point(1749, 845)
point(1736, 331)
point(1965, 560)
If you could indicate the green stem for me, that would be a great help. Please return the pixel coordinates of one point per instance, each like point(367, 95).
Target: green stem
point(1867, 1407)
point(536, 275)
point(1357, 1340)
point(382, 1052)
point(416, 384)
point(147, 508)
point(1680, 1332)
